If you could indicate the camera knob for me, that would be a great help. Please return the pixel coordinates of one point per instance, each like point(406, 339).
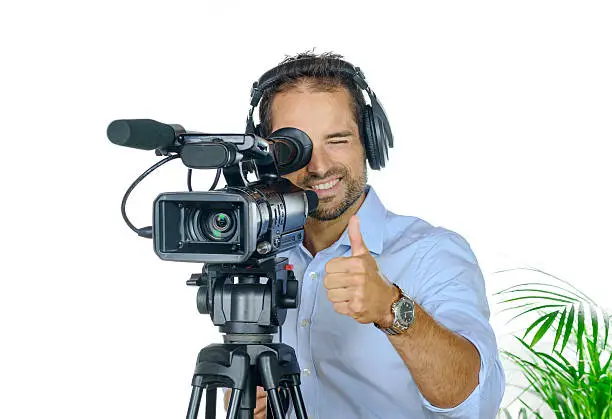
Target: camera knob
point(202, 300)
point(196, 280)
point(289, 298)
point(263, 248)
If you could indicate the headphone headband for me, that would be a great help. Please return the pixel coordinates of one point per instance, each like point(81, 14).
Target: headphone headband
point(274, 75)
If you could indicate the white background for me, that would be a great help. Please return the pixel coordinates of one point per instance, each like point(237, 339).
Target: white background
point(502, 116)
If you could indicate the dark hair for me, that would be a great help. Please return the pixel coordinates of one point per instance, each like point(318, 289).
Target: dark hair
point(320, 74)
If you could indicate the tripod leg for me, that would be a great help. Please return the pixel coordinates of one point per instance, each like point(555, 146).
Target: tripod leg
point(234, 404)
point(269, 372)
point(275, 403)
point(243, 399)
point(196, 397)
point(211, 403)
point(296, 397)
point(284, 397)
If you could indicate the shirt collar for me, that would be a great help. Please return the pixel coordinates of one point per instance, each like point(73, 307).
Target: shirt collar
point(372, 216)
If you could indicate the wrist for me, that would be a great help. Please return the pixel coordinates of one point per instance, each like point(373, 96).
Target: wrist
point(402, 315)
point(388, 317)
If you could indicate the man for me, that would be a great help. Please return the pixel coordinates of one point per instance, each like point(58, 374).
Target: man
point(393, 317)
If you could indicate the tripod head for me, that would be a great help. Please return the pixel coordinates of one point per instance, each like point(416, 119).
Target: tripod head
point(247, 301)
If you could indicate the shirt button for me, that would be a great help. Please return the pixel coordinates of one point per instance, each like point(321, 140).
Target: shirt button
point(305, 322)
point(313, 275)
point(306, 372)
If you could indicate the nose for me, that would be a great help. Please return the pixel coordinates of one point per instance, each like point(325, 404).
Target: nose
point(320, 161)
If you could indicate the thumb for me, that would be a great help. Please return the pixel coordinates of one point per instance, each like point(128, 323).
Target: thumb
point(358, 246)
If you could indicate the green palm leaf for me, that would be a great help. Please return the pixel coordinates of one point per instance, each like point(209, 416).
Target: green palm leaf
point(560, 328)
point(578, 385)
point(569, 324)
point(544, 327)
point(594, 322)
point(543, 319)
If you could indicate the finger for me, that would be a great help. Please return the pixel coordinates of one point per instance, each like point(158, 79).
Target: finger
point(358, 246)
point(337, 280)
point(349, 264)
point(339, 295)
point(226, 398)
point(342, 308)
point(261, 406)
point(343, 280)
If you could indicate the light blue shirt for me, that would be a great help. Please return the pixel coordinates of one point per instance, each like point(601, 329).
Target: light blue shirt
point(351, 370)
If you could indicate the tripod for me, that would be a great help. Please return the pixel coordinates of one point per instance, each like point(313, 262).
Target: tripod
point(248, 311)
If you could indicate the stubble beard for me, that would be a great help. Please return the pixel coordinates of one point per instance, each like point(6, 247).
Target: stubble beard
point(354, 188)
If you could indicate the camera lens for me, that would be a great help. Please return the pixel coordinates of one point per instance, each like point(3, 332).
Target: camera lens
point(219, 226)
point(210, 225)
point(221, 222)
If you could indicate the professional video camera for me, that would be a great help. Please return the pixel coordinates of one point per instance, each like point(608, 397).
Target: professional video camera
point(237, 232)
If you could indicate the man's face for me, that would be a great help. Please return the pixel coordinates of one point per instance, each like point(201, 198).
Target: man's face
point(337, 171)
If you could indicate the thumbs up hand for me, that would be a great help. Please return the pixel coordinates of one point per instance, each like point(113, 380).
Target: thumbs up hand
point(355, 286)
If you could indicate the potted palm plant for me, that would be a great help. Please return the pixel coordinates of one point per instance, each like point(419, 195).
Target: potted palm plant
point(564, 353)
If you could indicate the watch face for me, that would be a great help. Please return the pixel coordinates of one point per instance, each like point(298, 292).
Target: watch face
point(405, 312)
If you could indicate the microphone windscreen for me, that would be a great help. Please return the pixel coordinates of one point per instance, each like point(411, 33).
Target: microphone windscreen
point(144, 134)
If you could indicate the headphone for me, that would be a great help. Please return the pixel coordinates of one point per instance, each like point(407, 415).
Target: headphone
point(375, 128)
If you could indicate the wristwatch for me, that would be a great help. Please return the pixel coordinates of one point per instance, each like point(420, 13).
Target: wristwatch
point(403, 310)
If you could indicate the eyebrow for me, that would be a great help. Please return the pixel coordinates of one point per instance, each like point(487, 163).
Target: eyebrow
point(339, 134)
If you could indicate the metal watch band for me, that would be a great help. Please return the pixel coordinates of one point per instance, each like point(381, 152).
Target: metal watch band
point(395, 328)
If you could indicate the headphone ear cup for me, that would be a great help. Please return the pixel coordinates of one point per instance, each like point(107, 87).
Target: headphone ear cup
point(369, 138)
point(382, 133)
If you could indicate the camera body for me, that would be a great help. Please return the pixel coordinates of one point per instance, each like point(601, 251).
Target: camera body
point(230, 225)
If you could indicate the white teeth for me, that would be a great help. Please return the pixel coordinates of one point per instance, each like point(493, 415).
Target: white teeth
point(324, 186)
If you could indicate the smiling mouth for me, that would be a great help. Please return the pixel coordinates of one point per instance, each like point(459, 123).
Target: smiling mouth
point(325, 186)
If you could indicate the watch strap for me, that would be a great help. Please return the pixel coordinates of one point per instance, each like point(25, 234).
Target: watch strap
point(395, 328)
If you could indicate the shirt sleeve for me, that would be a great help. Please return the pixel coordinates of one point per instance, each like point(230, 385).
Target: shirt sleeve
point(450, 288)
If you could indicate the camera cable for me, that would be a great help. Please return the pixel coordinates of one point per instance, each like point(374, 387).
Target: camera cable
point(147, 232)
